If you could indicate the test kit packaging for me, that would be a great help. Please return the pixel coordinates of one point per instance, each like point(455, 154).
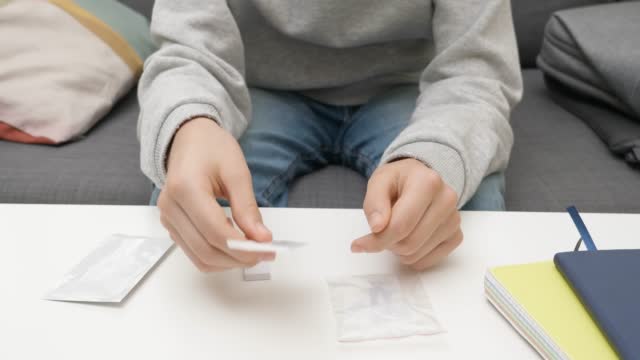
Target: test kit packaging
point(111, 270)
point(374, 307)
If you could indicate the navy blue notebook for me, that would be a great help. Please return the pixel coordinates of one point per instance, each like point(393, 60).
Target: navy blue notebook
point(608, 284)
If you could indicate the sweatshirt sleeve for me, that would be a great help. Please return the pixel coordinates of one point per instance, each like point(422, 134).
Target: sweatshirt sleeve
point(198, 71)
point(460, 127)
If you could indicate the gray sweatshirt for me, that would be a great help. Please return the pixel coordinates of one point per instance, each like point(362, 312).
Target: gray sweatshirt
point(461, 53)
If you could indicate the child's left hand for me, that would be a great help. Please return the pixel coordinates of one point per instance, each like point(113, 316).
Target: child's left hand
point(412, 213)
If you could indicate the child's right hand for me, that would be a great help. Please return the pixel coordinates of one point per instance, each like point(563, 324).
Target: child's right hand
point(206, 162)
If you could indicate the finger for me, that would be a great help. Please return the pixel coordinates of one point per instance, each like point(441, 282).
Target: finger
point(441, 210)
point(406, 213)
point(207, 253)
point(439, 253)
point(444, 232)
point(381, 191)
point(198, 204)
point(194, 259)
point(244, 209)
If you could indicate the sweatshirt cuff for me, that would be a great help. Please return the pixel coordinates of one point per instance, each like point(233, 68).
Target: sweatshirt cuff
point(176, 118)
point(443, 159)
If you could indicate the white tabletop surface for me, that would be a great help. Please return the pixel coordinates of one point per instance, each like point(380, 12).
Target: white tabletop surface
point(178, 312)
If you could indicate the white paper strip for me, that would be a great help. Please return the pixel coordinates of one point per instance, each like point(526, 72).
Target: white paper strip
point(276, 246)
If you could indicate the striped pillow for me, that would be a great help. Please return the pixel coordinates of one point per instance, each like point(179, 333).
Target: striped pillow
point(64, 64)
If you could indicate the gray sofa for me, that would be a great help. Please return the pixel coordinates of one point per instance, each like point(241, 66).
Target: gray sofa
point(557, 160)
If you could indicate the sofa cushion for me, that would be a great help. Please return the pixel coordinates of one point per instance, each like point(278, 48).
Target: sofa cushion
point(332, 187)
point(64, 64)
point(101, 168)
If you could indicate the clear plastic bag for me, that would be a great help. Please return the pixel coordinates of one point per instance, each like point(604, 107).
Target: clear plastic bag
point(111, 270)
point(371, 307)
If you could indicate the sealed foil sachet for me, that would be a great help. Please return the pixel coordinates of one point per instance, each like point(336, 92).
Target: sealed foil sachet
point(111, 270)
point(373, 307)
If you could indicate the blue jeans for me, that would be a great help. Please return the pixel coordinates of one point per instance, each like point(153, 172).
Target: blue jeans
point(291, 135)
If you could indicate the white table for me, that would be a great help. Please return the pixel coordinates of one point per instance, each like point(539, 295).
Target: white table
point(179, 313)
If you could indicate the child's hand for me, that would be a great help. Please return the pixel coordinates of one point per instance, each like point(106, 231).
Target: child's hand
point(206, 162)
point(411, 212)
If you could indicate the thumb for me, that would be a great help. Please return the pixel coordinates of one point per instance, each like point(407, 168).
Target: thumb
point(244, 209)
point(377, 201)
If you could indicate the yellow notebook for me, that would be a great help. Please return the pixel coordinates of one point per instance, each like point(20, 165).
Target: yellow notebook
point(542, 307)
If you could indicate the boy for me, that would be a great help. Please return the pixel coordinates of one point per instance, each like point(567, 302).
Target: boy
point(244, 95)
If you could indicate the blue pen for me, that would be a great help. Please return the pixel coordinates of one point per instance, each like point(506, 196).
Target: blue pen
point(582, 228)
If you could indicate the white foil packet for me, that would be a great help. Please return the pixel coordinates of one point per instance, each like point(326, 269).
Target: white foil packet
point(372, 307)
point(111, 270)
